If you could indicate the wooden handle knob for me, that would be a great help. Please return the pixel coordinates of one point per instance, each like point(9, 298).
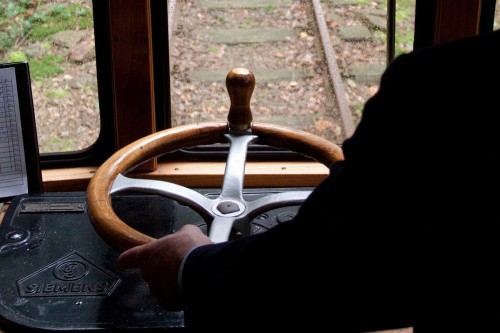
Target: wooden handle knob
point(240, 83)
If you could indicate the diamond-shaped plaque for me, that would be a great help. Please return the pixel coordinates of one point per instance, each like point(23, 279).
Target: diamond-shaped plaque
point(70, 276)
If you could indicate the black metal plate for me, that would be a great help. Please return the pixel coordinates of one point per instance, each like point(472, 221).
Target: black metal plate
point(57, 274)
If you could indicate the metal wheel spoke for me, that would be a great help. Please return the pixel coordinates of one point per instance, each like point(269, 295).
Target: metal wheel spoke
point(234, 173)
point(193, 199)
point(220, 228)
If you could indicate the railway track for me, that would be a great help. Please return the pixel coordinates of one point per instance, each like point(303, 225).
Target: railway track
point(315, 62)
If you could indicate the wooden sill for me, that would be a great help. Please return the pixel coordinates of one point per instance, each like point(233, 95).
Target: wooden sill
point(195, 175)
point(199, 174)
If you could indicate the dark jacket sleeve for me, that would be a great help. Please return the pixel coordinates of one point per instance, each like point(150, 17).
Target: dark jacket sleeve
point(365, 252)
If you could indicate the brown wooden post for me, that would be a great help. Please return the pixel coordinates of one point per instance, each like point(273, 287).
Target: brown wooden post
point(456, 19)
point(132, 68)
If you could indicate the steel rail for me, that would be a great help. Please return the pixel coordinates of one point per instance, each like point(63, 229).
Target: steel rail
point(331, 62)
point(333, 70)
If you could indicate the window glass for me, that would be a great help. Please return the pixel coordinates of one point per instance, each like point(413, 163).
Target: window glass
point(57, 39)
point(315, 62)
point(405, 26)
point(496, 23)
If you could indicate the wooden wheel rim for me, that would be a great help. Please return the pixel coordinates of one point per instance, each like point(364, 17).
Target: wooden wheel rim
point(120, 235)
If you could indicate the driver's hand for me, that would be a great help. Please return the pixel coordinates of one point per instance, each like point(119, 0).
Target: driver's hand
point(160, 260)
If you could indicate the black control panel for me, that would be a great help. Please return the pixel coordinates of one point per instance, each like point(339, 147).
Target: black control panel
point(58, 274)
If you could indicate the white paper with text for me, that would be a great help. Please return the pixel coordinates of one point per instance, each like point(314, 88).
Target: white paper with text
point(13, 174)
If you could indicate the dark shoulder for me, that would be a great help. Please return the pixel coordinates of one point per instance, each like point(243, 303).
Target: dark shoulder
point(468, 48)
point(448, 59)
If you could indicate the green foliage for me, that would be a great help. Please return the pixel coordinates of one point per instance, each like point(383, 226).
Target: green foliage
point(404, 41)
point(13, 26)
point(46, 46)
point(55, 143)
point(46, 67)
point(404, 36)
point(358, 108)
point(381, 36)
point(246, 23)
point(17, 56)
point(269, 8)
point(404, 10)
point(58, 18)
point(19, 22)
point(56, 93)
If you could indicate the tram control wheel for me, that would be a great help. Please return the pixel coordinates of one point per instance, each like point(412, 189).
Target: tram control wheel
point(229, 210)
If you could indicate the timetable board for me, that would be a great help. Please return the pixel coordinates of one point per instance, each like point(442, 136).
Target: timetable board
point(13, 175)
point(19, 159)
